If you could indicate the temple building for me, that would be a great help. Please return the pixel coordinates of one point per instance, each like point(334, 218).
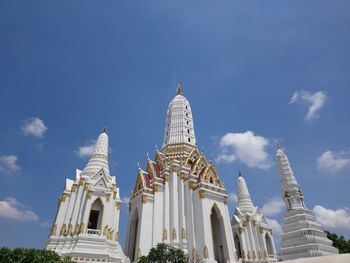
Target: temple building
point(251, 232)
point(302, 235)
point(86, 225)
point(179, 198)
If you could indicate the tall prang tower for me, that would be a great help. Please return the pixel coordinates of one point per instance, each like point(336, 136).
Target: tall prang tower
point(252, 233)
point(86, 226)
point(302, 235)
point(179, 198)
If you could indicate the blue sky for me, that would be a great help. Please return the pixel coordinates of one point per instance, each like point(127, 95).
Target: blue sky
point(70, 68)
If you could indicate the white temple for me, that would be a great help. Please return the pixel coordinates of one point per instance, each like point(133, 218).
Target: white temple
point(86, 226)
point(179, 198)
point(302, 235)
point(252, 234)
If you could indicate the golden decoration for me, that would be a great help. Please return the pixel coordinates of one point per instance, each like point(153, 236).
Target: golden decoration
point(166, 178)
point(54, 230)
point(173, 168)
point(119, 205)
point(240, 230)
point(190, 185)
point(194, 254)
point(174, 236)
point(271, 231)
point(261, 229)
point(89, 194)
point(254, 223)
point(183, 233)
point(165, 235)
point(201, 194)
point(182, 176)
point(63, 197)
point(86, 186)
point(63, 230)
point(74, 188)
point(144, 199)
point(139, 183)
point(155, 187)
point(81, 182)
point(205, 252)
point(114, 195)
point(76, 230)
point(225, 200)
point(286, 194)
point(70, 230)
point(82, 228)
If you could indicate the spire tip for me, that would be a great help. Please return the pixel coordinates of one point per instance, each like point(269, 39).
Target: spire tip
point(179, 88)
point(104, 130)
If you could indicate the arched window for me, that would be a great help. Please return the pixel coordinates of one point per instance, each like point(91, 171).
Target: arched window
point(95, 218)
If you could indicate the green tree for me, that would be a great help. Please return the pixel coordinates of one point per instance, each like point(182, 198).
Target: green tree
point(27, 255)
point(163, 253)
point(340, 243)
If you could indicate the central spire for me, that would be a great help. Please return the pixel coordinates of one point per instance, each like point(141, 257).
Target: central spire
point(245, 203)
point(179, 122)
point(99, 158)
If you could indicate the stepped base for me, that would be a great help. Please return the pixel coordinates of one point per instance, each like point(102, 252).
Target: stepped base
point(87, 248)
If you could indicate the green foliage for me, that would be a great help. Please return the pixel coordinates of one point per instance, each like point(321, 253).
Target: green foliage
point(340, 243)
point(164, 253)
point(27, 255)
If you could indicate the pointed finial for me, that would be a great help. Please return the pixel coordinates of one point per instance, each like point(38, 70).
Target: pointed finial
point(239, 174)
point(179, 88)
point(147, 155)
point(104, 130)
point(156, 146)
point(138, 165)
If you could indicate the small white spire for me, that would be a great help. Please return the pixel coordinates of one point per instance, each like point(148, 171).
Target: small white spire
point(179, 126)
point(245, 203)
point(288, 179)
point(99, 158)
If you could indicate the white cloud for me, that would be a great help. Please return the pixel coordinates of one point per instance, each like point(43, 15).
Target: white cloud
point(9, 164)
point(86, 150)
point(125, 200)
point(273, 207)
point(232, 197)
point(45, 224)
point(34, 126)
point(332, 161)
point(276, 227)
point(338, 218)
point(11, 209)
point(247, 147)
point(315, 101)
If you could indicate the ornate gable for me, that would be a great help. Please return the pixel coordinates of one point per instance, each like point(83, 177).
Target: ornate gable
point(139, 185)
point(192, 157)
point(210, 176)
point(199, 165)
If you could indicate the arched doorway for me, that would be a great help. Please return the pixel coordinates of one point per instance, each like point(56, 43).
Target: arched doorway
point(95, 218)
point(238, 247)
point(218, 235)
point(133, 236)
point(269, 245)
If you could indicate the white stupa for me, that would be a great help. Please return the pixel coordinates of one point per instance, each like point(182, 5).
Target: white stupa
point(252, 233)
point(179, 198)
point(86, 225)
point(302, 235)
